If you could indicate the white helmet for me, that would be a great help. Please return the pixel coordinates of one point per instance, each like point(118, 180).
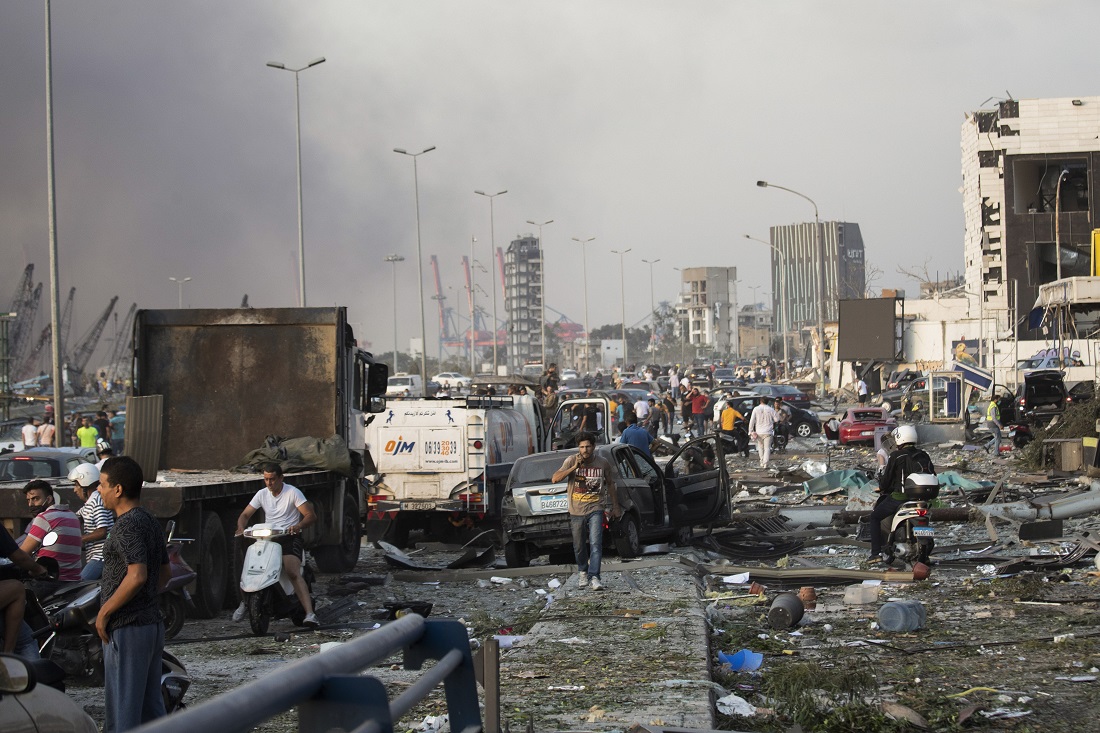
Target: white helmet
point(904, 435)
point(86, 474)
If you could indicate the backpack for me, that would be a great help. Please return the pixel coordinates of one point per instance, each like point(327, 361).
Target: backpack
point(916, 462)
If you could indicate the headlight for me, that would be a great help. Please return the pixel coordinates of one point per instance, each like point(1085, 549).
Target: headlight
point(261, 533)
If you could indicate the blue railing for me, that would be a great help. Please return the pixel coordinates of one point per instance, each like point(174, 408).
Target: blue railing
point(331, 695)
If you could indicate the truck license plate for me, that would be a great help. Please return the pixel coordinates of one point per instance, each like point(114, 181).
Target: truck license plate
point(553, 503)
point(923, 532)
point(417, 506)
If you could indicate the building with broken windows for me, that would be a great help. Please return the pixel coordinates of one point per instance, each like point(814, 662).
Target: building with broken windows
point(523, 300)
point(1027, 165)
point(708, 310)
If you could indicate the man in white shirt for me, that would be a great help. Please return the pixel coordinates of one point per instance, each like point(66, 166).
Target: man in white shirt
point(674, 384)
point(762, 429)
point(641, 409)
point(861, 392)
point(285, 507)
point(30, 433)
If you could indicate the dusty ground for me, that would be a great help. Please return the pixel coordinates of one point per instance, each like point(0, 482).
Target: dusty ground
point(988, 652)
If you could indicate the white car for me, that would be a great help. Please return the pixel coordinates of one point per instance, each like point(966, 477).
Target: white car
point(405, 386)
point(569, 374)
point(450, 380)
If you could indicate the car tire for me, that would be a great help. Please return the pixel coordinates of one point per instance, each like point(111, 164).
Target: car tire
point(628, 542)
point(804, 430)
point(517, 554)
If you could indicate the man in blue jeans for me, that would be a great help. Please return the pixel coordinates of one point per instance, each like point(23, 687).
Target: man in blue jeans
point(135, 569)
point(591, 493)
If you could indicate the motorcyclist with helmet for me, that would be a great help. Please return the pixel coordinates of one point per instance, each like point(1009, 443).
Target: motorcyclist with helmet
point(95, 519)
point(907, 458)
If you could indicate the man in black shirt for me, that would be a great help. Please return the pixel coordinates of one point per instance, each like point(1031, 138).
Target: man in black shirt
point(135, 569)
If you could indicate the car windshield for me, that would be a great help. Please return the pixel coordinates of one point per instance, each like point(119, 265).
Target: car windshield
point(720, 373)
point(26, 469)
point(538, 469)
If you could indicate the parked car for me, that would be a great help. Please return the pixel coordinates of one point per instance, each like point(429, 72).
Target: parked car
point(726, 377)
point(1042, 394)
point(699, 377)
point(693, 489)
point(29, 707)
point(569, 374)
point(647, 385)
point(451, 380)
point(790, 394)
point(859, 423)
point(804, 423)
point(898, 379)
point(405, 386)
point(35, 463)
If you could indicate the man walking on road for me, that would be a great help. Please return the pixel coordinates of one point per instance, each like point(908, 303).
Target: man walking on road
point(591, 493)
point(993, 423)
point(130, 624)
point(762, 422)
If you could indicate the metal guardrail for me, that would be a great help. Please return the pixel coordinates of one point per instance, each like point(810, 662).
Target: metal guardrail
point(331, 695)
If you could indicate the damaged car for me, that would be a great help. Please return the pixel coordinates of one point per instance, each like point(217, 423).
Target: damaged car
point(659, 505)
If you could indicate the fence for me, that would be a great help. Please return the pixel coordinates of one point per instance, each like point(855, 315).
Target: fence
point(330, 695)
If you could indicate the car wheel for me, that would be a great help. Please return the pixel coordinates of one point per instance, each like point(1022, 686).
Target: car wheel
point(517, 554)
point(804, 430)
point(628, 543)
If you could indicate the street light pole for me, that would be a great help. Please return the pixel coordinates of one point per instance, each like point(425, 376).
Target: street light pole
point(419, 267)
point(393, 260)
point(584, 268)
point(51, 207)
point(1057, 223)
point(298, 139)
point(782, 300)
point(542, 267)
point(493, 266)
point(652, 310)
point(622, 303)
point(179, 282)
point(820, 284)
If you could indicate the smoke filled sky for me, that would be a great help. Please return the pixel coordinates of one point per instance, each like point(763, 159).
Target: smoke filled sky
point(643, 124)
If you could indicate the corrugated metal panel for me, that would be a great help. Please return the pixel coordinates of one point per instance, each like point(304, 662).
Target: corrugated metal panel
point(144, 425)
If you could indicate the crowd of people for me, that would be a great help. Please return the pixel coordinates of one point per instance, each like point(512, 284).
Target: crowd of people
point(106, 427)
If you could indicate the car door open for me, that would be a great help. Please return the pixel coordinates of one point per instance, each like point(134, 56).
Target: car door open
point(697, 482)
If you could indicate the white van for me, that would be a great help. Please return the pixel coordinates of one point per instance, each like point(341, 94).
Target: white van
point(405, 386)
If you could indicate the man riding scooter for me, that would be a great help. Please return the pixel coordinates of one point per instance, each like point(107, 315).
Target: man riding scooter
point(906, 459)
point(285, 507)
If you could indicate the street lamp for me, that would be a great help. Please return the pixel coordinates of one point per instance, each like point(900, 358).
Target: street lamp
point(419, 267)
point(492, 260)
point(622, 302)
point(782, 300)
point(179, 282)
point(687, 316)
point(393, 260)
point(542, 263)
point(298, 138)
point(1057, 223)
point(820, 284)
point(584, 268)
point(652, 308)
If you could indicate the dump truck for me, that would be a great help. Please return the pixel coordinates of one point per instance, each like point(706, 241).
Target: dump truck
point(209, 387)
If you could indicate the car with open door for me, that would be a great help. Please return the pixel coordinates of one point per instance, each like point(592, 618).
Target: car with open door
point(659, 504)
point(591, 414)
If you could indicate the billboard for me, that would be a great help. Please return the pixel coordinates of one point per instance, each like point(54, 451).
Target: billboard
point(870, 329)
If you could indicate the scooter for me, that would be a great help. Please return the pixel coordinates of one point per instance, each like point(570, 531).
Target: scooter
point(265, 585)
point(175, 600)
point(907, 535)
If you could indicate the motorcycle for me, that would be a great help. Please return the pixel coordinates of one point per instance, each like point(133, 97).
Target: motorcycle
point(265, 585)
point(907, 535)
point(175, 600)
point(64, 623)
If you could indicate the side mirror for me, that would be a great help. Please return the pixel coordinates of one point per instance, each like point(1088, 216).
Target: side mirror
point(378, 376)
point(16, 675)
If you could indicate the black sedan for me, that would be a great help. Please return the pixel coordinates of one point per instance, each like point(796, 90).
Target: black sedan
point(35, 463)
point(804, 423)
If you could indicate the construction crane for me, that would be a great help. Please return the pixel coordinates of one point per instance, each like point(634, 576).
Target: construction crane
point(30, 365)
point(67, 321)
point(122, 344)
point(448, 329)
point(79, 357)
point(25, 320)
point(20, 328)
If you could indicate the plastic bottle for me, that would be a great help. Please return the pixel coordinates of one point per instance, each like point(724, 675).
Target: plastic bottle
point(901, 616)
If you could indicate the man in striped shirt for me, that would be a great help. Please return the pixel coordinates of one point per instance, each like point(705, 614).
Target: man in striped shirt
point(53, 518)
point(95, 519)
